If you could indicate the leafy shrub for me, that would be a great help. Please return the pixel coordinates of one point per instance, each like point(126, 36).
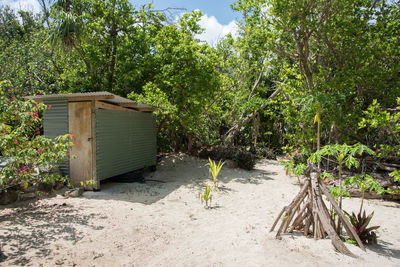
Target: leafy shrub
point(27, 152)
point(396, 175)
point(296, 169)
point(245, 160)
point(218, 153)
point(265, 152)
point(382, 128)
point(344, 155)
point(360, 223)
point(288, 165)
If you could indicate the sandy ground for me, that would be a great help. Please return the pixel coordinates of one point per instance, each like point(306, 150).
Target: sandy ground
point(164, 224)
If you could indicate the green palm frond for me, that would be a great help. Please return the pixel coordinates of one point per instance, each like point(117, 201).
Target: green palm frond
point(66, 30)
point(215, 169)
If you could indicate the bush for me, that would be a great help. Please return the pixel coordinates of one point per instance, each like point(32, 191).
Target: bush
point(27, 152)
point(265, 152)
point(218, 153)
point(245, 160)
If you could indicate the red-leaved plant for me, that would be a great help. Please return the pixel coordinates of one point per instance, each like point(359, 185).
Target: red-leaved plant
point(360, 223)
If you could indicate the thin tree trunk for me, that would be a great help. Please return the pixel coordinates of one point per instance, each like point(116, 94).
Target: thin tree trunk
point(45, 11)
point(234, 130)
point(88, 66)
point(256, 84)
point(114, 44)
point(111, 71)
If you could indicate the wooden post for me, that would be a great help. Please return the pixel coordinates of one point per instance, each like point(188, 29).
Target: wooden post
point(93, 126)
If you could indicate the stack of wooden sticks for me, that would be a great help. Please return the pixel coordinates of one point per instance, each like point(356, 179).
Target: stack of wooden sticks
point(308, 213)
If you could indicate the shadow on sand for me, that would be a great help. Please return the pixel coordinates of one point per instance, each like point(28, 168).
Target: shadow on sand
point(42, 225)
point(383, 248)
point(170, 177)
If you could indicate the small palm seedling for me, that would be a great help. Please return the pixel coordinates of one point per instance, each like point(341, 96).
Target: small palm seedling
point(360, 223)
point(215, 169)
point(206, 197)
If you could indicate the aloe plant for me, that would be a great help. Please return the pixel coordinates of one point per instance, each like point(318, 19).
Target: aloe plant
point(206, 197)
point(215, 169)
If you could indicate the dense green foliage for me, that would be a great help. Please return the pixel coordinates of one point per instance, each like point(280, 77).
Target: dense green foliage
point(333, 58)
point(290, 61)
point(185, 84)
point(26, 152)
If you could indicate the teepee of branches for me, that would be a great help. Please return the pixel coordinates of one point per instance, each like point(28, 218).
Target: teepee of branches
point(308, 212)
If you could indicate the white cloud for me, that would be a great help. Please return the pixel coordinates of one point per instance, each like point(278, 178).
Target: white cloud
point(214, 31)
point(27, 5)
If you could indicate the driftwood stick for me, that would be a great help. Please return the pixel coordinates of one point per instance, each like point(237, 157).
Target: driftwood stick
point(277, 219)
point(294, 210)
point(325, 208)
point(349, 228)
point(301, 216)
point(296, 201)
point(321, 230)
point(325, 221)
point(318, 229)
point(315, 196)
point(356, 192)
point(307, 223)
point(278, 233)
point(336, 242)
point(310, 223)
point(315, 226)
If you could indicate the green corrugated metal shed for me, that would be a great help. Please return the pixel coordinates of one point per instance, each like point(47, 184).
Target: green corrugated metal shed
point(55, 123)
point(113, 135)
point(124, 142)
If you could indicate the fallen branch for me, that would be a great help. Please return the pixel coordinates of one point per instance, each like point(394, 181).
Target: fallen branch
point(373, 195)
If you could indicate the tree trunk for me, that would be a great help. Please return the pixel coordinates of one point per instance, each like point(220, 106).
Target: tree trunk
point(114, 43)
point(234, 130)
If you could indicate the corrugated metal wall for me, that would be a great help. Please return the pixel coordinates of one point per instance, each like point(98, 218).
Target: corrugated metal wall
point(55, 123)
point(125, 141)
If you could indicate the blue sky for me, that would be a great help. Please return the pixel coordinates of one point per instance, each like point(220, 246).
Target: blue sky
point(218, 20)
point(218, 8)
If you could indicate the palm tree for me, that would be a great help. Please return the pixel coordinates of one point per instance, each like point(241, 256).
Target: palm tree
point(67, 28)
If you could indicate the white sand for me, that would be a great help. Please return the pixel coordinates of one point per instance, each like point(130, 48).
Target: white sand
point(164, 224)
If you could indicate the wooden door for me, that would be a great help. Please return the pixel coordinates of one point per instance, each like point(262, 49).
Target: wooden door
point(80, 125)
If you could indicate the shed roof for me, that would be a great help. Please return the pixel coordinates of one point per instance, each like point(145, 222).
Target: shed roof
point(101, 96)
